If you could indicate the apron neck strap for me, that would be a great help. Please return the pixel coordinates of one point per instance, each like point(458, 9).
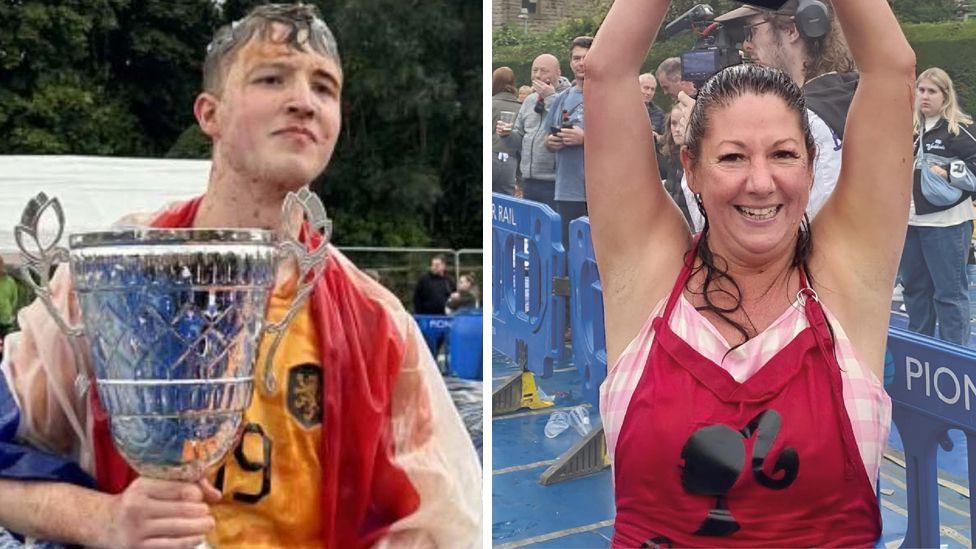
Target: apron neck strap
point(683, 277)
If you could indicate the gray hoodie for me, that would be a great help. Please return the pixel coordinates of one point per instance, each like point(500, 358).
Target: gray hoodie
point(529, 137)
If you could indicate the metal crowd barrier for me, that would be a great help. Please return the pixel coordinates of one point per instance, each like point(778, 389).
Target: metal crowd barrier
point(528, 296)
point(933, 390)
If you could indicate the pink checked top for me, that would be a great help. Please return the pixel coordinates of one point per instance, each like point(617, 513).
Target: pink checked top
point(867, 403)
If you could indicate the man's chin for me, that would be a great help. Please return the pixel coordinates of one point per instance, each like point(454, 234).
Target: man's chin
point(289, 176)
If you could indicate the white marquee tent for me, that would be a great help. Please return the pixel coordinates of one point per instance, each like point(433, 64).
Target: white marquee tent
point(94, 191)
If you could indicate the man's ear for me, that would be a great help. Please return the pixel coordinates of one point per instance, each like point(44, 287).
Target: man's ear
point(791, 33)
point(205, 111)
point(688, 166)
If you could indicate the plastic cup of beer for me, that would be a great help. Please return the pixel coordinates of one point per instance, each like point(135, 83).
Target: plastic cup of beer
point(507, 118)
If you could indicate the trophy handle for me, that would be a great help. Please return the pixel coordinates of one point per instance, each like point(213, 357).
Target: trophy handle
point(311, 263)
point(38, 261)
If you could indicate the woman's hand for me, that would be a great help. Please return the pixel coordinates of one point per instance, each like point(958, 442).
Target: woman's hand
point(939, 171)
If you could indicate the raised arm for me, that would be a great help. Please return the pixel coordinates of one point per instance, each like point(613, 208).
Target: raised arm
point(865, 219)
point(639, 235)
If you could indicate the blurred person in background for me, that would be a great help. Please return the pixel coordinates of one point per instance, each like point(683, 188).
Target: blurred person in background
point(670, 80)
point(523, 92)
point(9, 300)
point(433, 289)
point(528, 135)
point(933, 263)
point(669, 160)
point(648, 87)
point(504, 156)
point(466, 296)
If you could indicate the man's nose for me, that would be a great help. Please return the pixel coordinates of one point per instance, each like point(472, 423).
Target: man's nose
point(300, 102)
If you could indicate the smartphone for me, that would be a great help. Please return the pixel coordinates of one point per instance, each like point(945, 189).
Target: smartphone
point(554, 130)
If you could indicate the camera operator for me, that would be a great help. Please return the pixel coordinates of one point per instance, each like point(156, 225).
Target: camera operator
point(804, 40)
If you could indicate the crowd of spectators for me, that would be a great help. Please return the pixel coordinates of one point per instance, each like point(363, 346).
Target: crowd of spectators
point(546, 136)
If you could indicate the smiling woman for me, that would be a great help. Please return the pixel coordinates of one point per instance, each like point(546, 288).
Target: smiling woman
point(763, 332)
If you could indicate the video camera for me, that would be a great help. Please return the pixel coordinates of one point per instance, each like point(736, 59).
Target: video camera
point(716, 45)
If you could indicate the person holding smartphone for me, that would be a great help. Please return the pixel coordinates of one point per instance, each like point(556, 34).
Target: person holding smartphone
point(528, 134)
point(565, 123)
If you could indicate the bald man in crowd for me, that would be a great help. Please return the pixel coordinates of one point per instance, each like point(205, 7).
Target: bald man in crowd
point(648, 87)
point(528, 134)
point(669, 77)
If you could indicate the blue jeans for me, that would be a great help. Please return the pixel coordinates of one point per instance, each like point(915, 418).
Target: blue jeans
point(933, 271)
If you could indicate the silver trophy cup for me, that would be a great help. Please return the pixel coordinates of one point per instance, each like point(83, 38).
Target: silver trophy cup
point(173, 319)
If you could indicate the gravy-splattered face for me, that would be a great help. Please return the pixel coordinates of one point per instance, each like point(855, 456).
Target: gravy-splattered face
point(278, 115)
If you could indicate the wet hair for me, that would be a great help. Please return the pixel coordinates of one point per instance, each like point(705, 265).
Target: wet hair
point(950, 104)
point(718, 92)
point(503, 80)
point(306, 30)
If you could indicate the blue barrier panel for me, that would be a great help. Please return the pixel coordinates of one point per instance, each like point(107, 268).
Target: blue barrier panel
point(435, 329)
point(933, 390)
point(465, 344)
point(528, 318)
point(586, 311)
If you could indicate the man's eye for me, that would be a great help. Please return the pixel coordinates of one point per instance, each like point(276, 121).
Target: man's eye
point(269, 79)
point(322, 89)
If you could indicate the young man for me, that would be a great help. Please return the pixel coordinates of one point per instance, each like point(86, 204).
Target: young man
point(565, 123)
point(359, 445)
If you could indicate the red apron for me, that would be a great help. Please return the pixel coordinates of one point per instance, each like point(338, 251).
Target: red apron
point(703, 460)
point(364, 490)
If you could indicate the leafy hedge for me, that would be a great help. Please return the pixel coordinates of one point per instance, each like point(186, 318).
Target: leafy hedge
point(950, 46)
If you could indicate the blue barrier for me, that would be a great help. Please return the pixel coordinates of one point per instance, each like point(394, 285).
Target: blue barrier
point(586, 311)
point(435, 329)
point(528, 318)
point(933, 390)
point(465, 344)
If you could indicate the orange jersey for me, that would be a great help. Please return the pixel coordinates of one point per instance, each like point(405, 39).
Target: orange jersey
point(272, 482)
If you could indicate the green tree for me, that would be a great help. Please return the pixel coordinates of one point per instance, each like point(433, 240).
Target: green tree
point(155, 56)
point(53, 98)
point(407, 169)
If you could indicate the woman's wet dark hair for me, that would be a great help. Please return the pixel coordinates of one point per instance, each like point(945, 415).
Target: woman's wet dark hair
point(721, 91)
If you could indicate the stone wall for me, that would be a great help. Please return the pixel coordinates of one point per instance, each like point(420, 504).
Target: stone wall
point(547, 14)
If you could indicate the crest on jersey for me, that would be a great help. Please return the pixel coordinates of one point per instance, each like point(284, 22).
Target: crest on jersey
point(305, 394)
